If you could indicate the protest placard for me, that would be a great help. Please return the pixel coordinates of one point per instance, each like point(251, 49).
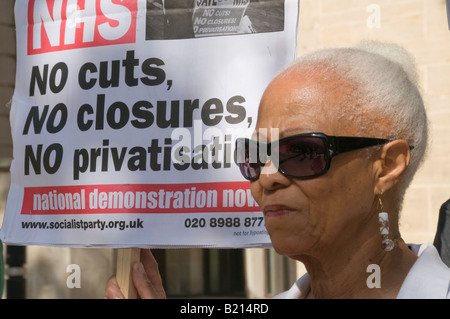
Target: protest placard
point(125, 115)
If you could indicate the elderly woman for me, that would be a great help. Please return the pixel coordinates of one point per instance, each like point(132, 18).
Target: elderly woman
point(347, 131)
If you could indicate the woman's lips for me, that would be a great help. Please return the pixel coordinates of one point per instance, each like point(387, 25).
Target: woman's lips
point(276, 210)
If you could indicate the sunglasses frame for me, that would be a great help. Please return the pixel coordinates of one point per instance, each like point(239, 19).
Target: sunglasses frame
point(334, 145)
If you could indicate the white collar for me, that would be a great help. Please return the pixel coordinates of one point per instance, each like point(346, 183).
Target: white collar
point(299, 289)
point(428, 278)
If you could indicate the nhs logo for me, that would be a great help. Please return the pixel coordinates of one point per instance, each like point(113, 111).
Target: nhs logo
point(55, 25)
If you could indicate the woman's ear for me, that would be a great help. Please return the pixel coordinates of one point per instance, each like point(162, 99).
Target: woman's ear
point(392, 162)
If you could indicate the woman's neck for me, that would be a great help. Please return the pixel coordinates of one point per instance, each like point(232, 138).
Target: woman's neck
point(346, 273)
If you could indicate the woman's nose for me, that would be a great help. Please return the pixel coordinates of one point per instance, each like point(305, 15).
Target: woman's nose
point(271, 178)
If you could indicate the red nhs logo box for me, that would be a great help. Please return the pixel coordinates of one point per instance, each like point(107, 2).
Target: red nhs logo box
point(55, 25)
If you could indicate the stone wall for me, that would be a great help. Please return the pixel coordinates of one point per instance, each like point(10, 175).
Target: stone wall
point(7, 76)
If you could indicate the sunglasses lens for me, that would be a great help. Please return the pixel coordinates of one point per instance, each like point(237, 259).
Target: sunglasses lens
point(297, 156)
point(247, 158)
point(250, 171)
point(302, 156)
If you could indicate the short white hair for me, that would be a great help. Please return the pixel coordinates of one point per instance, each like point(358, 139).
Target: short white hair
point(384, 81)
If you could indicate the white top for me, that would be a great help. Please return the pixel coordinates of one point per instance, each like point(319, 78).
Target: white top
point(428, 278)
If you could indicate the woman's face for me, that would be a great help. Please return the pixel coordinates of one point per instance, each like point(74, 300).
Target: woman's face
point(312, 216)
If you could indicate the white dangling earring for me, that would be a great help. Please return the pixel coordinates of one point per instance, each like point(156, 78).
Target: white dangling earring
point(387, 244)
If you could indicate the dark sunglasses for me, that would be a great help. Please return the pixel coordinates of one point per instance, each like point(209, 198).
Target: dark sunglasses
point(301, 156)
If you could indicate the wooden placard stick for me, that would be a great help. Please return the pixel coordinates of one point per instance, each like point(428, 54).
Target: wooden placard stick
point(126, 257)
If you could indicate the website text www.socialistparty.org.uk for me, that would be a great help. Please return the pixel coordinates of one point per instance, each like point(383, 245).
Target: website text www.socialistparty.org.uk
point(85, 225)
